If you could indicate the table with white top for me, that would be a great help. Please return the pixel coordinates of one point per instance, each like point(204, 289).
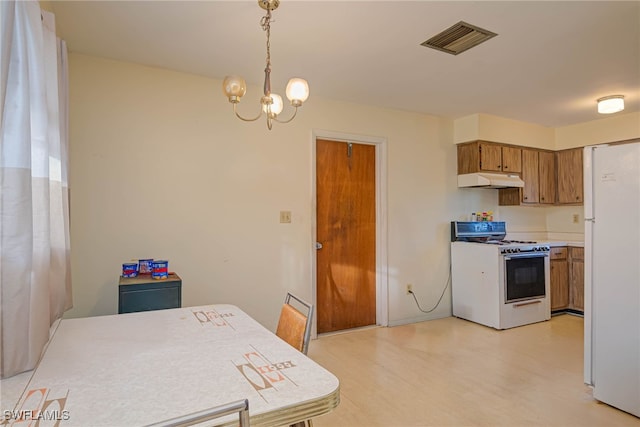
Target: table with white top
point(141, 368)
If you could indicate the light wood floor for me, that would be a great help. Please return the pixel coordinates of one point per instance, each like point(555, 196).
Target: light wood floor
point(451, 372)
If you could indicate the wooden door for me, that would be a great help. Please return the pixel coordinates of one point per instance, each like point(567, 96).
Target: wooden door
point(530, 192)
point(346, 229)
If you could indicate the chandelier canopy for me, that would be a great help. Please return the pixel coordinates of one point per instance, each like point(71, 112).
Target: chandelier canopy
point(297, 91)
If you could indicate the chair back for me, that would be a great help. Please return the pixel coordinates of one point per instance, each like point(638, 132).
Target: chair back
point(294, 326)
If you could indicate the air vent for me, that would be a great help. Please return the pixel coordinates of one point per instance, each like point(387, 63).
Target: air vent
point(458, 38)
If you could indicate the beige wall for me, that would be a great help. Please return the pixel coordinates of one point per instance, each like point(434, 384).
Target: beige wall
point(161, 168)
point(618, 127)
point(46, 5)
point(498, 129)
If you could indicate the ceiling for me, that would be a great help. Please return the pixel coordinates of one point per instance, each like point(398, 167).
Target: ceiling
point(549, 63)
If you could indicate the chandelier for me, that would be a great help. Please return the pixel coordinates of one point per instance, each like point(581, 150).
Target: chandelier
point(234, 87)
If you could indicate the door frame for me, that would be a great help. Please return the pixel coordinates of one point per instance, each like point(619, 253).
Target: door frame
point(382, 276)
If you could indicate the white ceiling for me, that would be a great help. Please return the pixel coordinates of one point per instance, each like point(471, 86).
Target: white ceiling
point(549, 63)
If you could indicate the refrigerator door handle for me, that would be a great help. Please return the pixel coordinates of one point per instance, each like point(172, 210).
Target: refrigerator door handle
point(589, 223)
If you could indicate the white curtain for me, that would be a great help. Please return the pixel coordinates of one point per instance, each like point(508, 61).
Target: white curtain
point(35, 276)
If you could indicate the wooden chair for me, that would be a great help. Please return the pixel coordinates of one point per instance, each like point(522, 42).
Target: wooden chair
point(294, 325)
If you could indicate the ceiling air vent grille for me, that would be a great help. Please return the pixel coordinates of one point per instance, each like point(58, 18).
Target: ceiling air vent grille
point(458, 38)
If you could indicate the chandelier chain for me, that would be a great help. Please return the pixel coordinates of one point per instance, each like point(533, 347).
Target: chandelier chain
point(265, 22)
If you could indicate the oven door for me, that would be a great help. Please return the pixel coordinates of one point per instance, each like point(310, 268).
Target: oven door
point(524, 276)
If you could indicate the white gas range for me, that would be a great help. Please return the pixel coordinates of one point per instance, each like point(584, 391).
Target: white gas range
point(496, 282)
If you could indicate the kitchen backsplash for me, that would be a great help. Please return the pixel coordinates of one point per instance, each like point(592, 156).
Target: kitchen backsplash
point(526, 222)
point(543, 223)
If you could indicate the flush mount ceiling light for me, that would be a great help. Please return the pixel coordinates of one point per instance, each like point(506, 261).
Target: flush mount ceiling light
point(297, 91)
point(611, 104)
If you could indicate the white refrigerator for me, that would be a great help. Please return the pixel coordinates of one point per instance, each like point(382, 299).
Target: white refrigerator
point(612, 274)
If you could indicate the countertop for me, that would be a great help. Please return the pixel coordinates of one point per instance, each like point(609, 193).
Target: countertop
point(557, 243)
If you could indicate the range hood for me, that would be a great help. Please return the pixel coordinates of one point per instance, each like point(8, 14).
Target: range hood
point(489, 180)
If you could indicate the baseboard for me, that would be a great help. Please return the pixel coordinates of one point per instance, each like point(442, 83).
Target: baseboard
point(568, 311)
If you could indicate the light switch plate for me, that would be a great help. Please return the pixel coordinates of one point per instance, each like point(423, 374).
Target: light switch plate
point(285, 217)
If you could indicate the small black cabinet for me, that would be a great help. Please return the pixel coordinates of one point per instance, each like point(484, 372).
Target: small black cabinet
point(143, 293)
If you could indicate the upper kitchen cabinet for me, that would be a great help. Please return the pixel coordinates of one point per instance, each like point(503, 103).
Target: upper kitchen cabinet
point(547, 177)
point(479, 156)
point(538, 174)
point(530, 176)
point(570, 178)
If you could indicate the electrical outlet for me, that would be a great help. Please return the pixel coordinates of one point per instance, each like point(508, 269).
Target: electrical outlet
point(576, 218)
point(409, 288)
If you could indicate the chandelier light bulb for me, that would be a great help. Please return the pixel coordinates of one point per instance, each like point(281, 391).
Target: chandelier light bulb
point(297, 91)
point(611, 104)
point(276, 105)
point(234, 87)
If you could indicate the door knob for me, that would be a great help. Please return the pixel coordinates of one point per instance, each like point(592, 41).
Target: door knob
point(318, 245)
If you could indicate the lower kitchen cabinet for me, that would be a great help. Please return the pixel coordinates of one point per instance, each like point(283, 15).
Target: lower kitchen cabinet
point(576, 278)
point(559, 279)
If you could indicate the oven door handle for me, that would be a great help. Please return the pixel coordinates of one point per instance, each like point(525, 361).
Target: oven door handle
point(526, 255)
point(522, 304)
